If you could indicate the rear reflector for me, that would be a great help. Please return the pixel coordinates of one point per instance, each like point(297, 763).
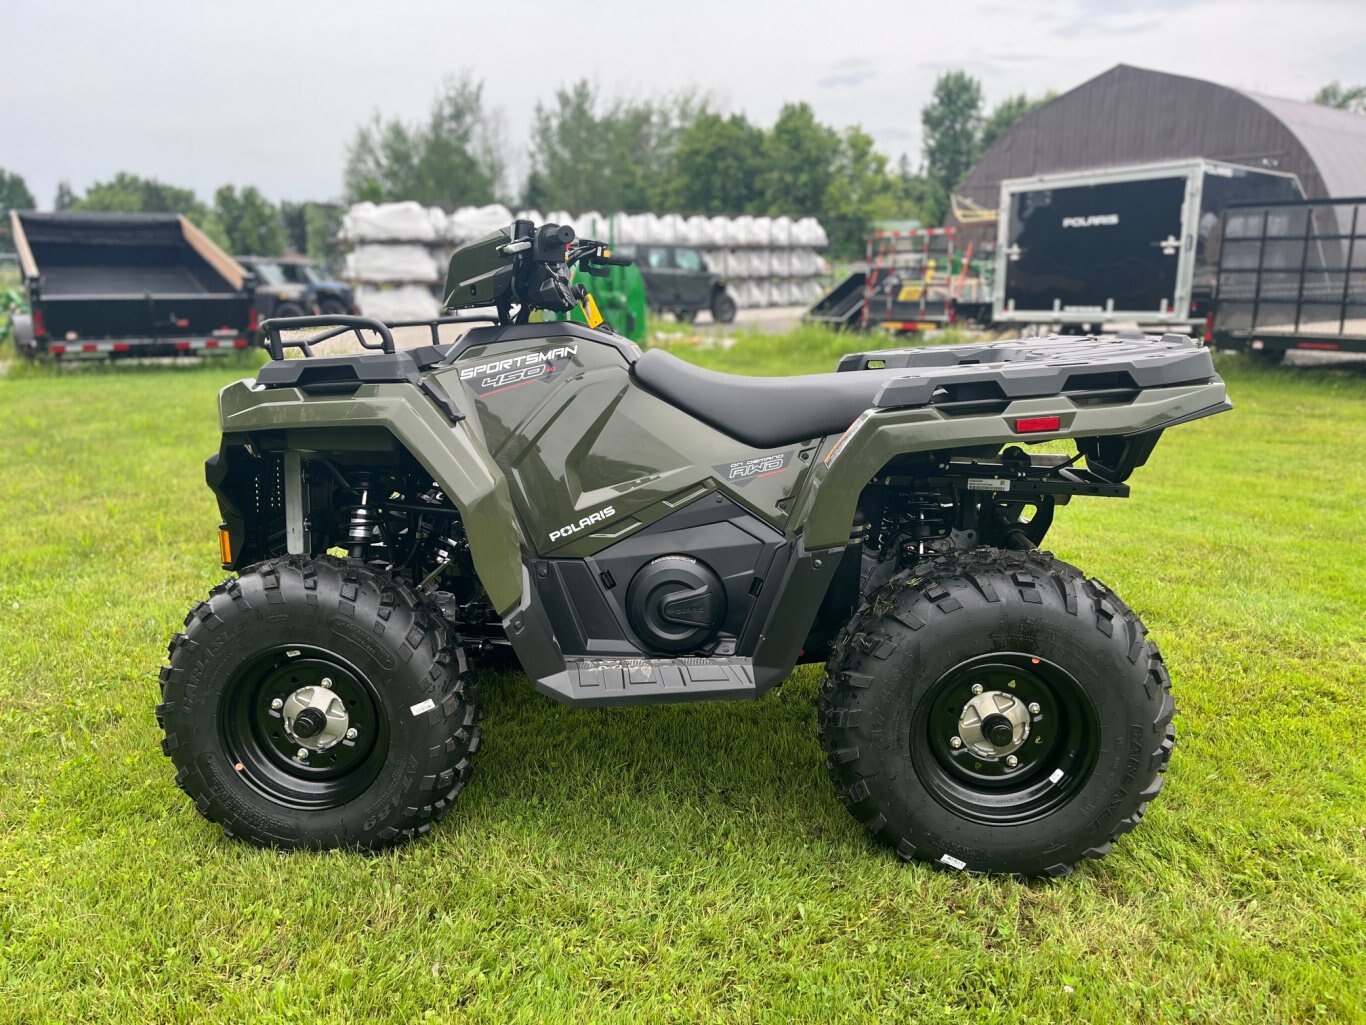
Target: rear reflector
point(240, 343)
point(56, 350)
point(1326, 346)
point(122, 347)
point(224, 546)
point(1037, 425)
point(90, 347)
point(211, 344)
point(182, 346)
point(39, 328)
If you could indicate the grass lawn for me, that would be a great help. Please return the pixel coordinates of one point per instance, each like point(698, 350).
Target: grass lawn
point(687, 863)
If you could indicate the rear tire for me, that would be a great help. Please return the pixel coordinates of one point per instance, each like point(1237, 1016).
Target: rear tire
point(287, 310)
point(1064, 668)
point(722, 307)
point(332, 307)
point(293, 631)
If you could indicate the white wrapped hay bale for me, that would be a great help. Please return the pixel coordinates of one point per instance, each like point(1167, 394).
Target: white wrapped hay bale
point(559, 217)
point(718, 231)
point(476, 221)
point(672, 230)
point(780, 263)
point(380, 263)
point(373, 222)
point(762, 232)
point(808, 232)
point(529, 215)
point(406, 302)
point(740, 231)
point(592, 224)
point(761, 263)
point(780, 232)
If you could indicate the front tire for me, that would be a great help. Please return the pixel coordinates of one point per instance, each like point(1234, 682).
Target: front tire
point(315, 703)
point(722, 307)
point(997, 712)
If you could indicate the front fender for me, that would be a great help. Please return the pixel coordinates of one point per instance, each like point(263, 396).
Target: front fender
point(452, 453)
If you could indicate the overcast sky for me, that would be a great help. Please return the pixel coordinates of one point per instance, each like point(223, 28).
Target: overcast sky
point(198, 94)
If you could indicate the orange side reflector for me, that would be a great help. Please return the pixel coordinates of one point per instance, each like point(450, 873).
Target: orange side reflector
point(224, 545)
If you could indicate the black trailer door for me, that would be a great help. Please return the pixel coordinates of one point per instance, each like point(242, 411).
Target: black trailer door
point(1107, 248)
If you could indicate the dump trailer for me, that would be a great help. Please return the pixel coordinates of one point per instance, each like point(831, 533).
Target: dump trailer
point(1120, 246)
point(1292, 276)
point(111, 285)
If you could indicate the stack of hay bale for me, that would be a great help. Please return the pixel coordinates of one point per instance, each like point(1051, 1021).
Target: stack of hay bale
point(399, 250)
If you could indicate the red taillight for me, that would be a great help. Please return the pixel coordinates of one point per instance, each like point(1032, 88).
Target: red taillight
point(183, 346)
point(39, 328)
point(210, 344)
point(56, 350)
point(90, 347)
point(122, 347)
point(1037, 425)
point(240, 343)
point(1325, 346)
point(253, 319)
point(1209, 328)
point(183, 322)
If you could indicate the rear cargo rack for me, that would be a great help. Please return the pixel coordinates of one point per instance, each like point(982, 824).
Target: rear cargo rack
point(340, 324)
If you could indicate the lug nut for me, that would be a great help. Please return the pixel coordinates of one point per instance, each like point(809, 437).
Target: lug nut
point(327, 681)
point(302, 753)
point(1012, 761)
point(351, 733)
point(955, 742)
point(277, 704)
point(977, 688)
point(1035, 708)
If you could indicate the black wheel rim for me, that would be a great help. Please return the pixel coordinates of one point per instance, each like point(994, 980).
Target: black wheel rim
point(1054, 761)
point(266, 758)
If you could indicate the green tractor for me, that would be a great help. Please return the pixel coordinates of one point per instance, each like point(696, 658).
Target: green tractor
point(618, 292)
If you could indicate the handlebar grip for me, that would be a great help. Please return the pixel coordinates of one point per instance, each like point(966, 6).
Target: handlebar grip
point(619, 261)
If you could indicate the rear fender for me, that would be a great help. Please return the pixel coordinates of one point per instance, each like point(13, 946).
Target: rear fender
point(453, 454)
point(846, 465)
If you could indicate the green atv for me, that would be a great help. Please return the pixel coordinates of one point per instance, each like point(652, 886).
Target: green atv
point(635, 530)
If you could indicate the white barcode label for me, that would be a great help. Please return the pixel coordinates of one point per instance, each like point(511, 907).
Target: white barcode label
point(952, 862)
point(423, 706)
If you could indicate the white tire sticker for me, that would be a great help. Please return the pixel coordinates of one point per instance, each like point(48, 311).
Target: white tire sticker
point(952, 862)
point(1056, 775)
point(423, 706)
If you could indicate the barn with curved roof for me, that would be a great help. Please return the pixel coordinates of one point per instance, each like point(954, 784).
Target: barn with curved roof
point(1130, 116)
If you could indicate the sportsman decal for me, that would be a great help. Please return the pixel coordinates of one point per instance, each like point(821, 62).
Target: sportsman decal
point(513, 371)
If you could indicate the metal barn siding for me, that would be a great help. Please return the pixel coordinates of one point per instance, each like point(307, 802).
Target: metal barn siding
point(1133, 116)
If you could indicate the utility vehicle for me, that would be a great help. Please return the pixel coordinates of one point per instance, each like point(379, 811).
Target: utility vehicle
point(637, 530)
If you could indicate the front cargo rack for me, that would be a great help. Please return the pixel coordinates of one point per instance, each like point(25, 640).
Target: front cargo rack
point(275, 342)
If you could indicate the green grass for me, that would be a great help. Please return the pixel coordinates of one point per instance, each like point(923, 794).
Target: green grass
point(687, 863)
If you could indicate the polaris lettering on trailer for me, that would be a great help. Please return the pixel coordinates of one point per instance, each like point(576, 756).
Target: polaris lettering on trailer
point(605, 513)
point(502, 374)
point(741, 473)
point(1091, 221)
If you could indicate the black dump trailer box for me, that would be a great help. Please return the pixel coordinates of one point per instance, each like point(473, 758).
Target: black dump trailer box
point(1120, 246)
point(1292, 276)
point(112, 285)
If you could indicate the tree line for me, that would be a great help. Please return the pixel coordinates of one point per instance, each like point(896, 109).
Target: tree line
point(672, 152)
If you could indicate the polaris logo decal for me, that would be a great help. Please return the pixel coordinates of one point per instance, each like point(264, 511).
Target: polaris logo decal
point(1091, 221)
point(497, 375)
point(741, 473)
point(569, 530)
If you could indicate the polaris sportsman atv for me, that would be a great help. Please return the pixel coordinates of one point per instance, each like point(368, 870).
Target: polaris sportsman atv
point(635, 529)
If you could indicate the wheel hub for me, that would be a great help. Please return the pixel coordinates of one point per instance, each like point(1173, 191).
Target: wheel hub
point(315, 718)
point(994, 724)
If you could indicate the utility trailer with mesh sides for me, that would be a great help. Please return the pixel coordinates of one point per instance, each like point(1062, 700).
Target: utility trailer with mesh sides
point(112, 285)
point(1119, 245)
point(1292, 276)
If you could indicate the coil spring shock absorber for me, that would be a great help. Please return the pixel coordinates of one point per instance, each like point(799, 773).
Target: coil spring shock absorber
point(363, 527)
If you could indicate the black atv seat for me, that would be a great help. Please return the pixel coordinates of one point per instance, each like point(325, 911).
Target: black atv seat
point(764, 412)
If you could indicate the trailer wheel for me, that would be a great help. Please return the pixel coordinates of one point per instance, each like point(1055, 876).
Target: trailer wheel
point(995, 711)
point(332, 307)
point(25, 343)
point(288, 310)
point(315, 703)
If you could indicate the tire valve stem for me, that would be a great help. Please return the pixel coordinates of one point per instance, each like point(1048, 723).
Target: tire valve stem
point(955, 742)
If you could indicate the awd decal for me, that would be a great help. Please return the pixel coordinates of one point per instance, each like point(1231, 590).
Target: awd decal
point(501, 374)
point(605, 513)
point(741, 473)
